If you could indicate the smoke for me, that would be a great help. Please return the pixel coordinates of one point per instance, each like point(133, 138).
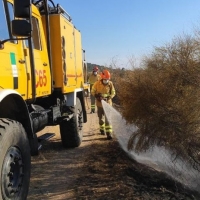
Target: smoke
point(158, 158)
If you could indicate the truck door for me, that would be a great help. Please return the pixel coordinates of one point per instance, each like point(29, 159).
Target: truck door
point(13, 74)
point(41, 61)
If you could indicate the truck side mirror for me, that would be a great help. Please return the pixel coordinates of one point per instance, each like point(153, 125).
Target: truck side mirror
point(22, 8)
point(17, 29)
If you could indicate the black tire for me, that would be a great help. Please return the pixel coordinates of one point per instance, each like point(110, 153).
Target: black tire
point(34, 145)
point(15, 161)
point(71, 131)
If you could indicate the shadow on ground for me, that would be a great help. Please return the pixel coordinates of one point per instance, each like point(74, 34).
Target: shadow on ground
point(98, 169)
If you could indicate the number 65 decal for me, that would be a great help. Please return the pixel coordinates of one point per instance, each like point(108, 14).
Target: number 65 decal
point(41, 78)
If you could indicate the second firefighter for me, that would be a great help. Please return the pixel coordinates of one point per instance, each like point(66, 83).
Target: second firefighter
point(93, 77)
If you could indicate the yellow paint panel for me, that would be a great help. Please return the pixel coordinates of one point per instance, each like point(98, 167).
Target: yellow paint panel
point(56, 50)
point(41, 60)
point(13, 73)
point(79, 60)
point(66, 54)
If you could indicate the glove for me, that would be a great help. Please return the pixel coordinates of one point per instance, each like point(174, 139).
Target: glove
point(98, 96)
point(109, 97)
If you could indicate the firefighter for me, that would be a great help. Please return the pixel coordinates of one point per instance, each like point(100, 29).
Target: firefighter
point(94, 76)
point(103, 90)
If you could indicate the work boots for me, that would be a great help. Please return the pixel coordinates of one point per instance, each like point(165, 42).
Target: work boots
point(109, 137)
point(102, 132)
point(92, 111)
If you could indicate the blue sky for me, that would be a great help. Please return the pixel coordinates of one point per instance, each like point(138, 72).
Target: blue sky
point(118, 30)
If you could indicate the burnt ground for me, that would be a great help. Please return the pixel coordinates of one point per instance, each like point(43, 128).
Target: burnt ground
point(98, 169)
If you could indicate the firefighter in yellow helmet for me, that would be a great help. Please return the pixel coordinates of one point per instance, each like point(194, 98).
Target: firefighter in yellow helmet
point(93, 77)
point(103, 90)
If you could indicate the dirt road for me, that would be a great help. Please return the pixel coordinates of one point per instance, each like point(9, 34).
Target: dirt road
point(98, 169)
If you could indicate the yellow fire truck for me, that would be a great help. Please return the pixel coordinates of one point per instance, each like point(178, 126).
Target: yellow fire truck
point(42, 83)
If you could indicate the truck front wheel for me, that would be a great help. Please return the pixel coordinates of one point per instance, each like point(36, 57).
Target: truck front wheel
point(71, 131)
point(15, 161)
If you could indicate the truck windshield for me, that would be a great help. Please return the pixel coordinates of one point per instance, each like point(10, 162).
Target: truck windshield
point(3, 25)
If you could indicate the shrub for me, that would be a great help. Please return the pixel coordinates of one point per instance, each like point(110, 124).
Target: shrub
point(163, 99)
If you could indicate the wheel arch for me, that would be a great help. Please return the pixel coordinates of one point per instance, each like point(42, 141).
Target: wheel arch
point(71, 101)
point(81, 96)
point(13, 106)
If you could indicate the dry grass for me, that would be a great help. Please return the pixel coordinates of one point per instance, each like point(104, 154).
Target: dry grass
point(163, 99)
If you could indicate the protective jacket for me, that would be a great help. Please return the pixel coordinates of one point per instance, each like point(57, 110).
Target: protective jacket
point(106, 91)
point(92, 79)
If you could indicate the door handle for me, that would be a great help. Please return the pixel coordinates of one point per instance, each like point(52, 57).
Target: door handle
point(21, 61)
point(45, 64)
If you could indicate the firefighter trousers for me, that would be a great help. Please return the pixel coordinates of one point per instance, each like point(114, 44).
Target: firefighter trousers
point(92, 103)
point(104, 124)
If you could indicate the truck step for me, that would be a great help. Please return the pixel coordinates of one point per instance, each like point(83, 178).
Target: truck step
point(45, 137)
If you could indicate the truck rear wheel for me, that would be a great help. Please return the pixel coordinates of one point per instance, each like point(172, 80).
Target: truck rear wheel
point(71, 131)
point(15, 161)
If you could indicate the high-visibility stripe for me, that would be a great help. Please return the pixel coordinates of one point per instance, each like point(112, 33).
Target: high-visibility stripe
point(102, 127)
point(92, 106)
point(108, 129)
point(14, 70)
